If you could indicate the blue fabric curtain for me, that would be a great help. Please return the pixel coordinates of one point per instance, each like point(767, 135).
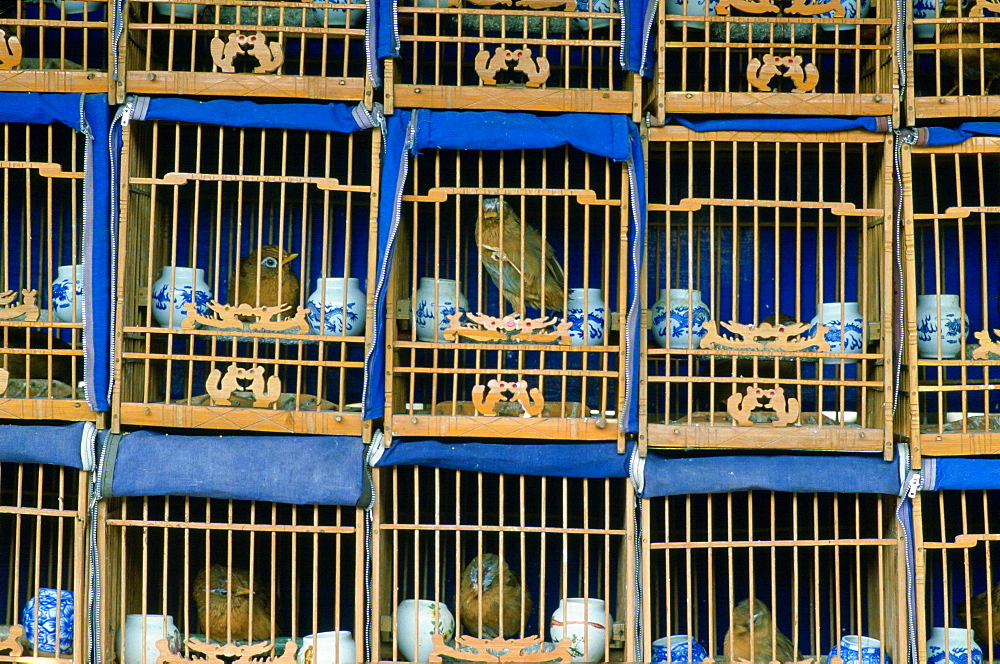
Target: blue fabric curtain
point(665, 475)
point(960, 473)
point(611, 136)
point(300, 470)
point(638, 17)
point(70, 445)
point(960, 134)
point(873, 124)
point(342, 118)
point(587, 460)
point(91, 115)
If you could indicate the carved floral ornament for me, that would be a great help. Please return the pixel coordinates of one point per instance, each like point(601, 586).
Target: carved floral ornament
point(261, 319)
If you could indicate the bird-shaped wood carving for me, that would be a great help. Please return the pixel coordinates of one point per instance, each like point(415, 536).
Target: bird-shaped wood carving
point(228, 598)
point(983, 605)
point(278, 285)
point(510, 271)
point(738, 645)
point(483, 582)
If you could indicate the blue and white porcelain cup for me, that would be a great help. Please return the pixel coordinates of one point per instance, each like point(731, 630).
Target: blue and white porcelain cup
point(843, 336)
point(67, 294)
point(926, 9)
point(852, 9)
point(585, 310)
point(953, 646)
point(606, 6)
point(854, 649)
point(678, 648)
point(690, 8)
point(51, 611)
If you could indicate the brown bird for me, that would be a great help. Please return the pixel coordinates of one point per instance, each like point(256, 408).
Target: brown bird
point(983, 605)
point(65, 368)
point(278, 285)
point(498, 233)
point(737, 644)
point(975, 64)
point(487, 594)
point(228, 597)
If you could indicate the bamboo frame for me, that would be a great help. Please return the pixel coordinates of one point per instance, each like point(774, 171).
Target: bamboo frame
point(580, 204)
point(41, 189)
point(801, 179)
point(174, 54)
point(430, 523)
point(43, 515)
point(705, 553)
point(310, 192)
point(950, 235)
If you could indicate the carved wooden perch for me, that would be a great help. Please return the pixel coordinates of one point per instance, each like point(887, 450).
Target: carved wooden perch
point(471, 649)
point(740, 406)
point(26, 311)
point(789, 337)
point(485, 403)
point(988, 348)
point(760, 74)
point(11, 644)
point(509, 329)
point(221, 388)
point(262, 319)
point(978, 10)
point(806, 8)
point(536, 69)
point(269, 55)
point(227, 653)
point(748, 6)
point(10, 51)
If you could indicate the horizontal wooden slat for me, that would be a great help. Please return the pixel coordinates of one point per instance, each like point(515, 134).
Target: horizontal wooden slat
point(243, 419)
point(681, 436)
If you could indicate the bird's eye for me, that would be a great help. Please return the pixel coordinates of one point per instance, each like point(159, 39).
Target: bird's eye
point(270, 261)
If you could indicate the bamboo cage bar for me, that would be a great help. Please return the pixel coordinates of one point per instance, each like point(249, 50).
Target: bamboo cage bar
point(748, 234)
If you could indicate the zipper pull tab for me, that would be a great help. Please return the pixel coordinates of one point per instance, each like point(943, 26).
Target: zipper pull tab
point(913, 485)
point(128, 110)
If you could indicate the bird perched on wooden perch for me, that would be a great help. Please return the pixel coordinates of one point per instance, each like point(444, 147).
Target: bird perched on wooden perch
point(489, 584)
point(228, 599)
point(738, 645)
point(498, 233)
point(974, 62)
point(278, 285)
point(983, 605)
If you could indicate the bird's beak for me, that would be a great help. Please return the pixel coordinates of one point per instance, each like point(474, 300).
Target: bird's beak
point(241, 591)
point(289, 258)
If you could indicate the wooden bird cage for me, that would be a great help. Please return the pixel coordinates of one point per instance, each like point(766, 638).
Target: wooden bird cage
point(748, 234)
point(507, 368)
point(257, 48)
point(43, 553)
point(253, 353)
point(825, 565)
point(950, 404)
point(54, 46)
point(791, 57)
point(560, 537)
point(953, 60)
point(299, 564)
point(525, 55)
point(956, 546)
point(41, 275)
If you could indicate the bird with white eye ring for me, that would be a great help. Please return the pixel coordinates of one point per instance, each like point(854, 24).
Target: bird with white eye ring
point(265, 279)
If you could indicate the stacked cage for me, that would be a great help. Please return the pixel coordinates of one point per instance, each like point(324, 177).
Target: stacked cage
point(505, 560)
point(762, 57)
point(530, 55)
point(767, 261)
point(55, 46)
point(507, 289)
point(952, 234)
point(44, 172)
point(243, 264)
point(254, 48)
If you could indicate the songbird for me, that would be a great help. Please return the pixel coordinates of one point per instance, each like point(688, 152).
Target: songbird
point(737, 644)
point(228, 614)
point(278, 284)
point(497, 218)
point(983, 631)
point(974, 63)
point(65, 368)
point(488, 595)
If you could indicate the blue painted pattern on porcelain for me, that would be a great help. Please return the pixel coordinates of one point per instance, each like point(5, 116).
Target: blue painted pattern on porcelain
point(595, 320)
point(957, 655)
point(182, 295)
point(53, 610)
point(675, 649)
point(679, 323)
point(332, 318)
point(61, 298)
point(869, 654)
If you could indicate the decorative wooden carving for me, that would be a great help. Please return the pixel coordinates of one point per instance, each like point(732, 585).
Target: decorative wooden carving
point(269, 56)
point(988, 348)
point(220, 388)
point(228, 653)
point(10, 51)
point(978, 10)
point(4, 380)
point(26, 311)
point(265, 319)
point(806, 8)
point(520, 60)
point(785, 337)
point(509, 329)
point(11, 642)
point(486, 402)
point(748, 6)
point(740, 406)
point(471, 649)
point(804, 77)
point(537, 5)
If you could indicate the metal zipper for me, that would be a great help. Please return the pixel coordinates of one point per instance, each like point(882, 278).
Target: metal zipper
point(117, 24)
point(94, 591)
point(908, 491)
point(397, 211)
point(88, 162)
point(630, 319)
point(370, 48)
point(649, 19)
point(902, 136)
